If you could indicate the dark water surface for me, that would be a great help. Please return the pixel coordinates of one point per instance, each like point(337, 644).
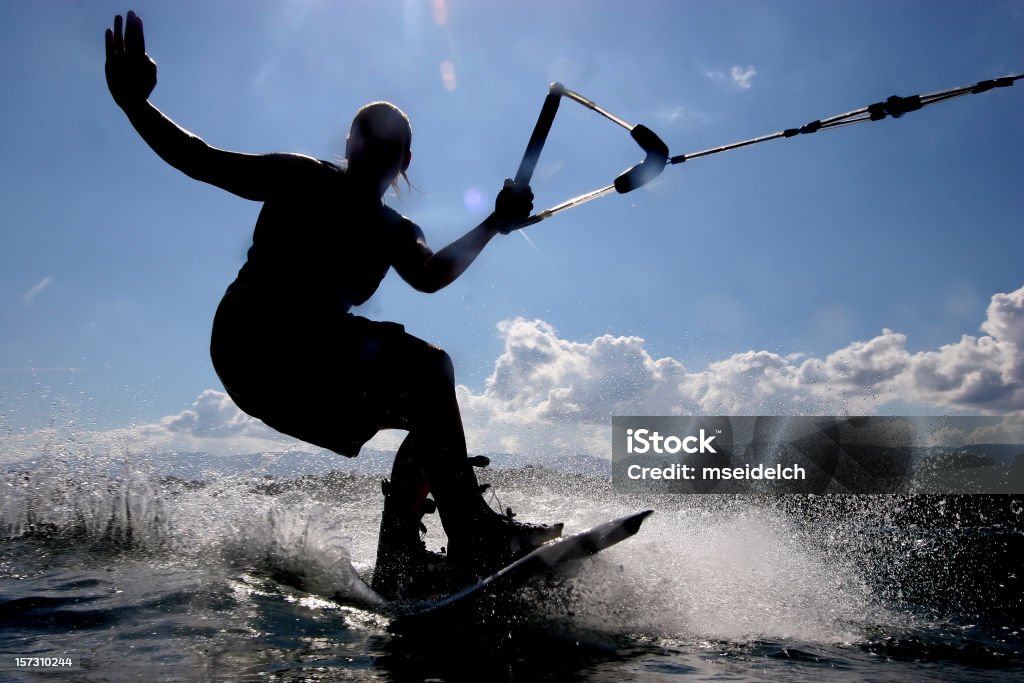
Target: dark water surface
point(246, 578)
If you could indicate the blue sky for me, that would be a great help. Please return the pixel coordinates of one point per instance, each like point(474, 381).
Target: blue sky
point(112, 264)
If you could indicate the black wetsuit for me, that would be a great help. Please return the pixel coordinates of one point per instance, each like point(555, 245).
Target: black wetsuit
point(284, 343)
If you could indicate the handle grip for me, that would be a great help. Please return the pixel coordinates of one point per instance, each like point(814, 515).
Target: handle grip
point(540, 133)
point(648, 169)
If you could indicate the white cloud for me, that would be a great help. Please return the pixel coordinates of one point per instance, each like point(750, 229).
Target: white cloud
point(738, 76)
point(545, 389)
point(743, 77)
point(681, 115)
point(29, 297)
point(213, 424)
point(1010, 429)
point(715, 75)
point(1005, 319)
point(549, 396)
point(212, 414)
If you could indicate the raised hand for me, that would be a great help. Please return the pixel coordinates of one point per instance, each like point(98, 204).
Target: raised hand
point(131, 74)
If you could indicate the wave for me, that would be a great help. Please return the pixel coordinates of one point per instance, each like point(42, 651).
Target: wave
point(830, 569)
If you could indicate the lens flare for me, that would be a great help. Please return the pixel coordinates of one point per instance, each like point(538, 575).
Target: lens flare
point(448, 75)
point(473, 200)
point(440, 13)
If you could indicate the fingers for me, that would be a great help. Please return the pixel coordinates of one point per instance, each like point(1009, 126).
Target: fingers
point(134, 39)
point(513, 205)
point(517, 189)
point(520, 195)
point(127, 36)
point(117, 41)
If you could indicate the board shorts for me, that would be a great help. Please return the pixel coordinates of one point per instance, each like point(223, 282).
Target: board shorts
point(325, 377)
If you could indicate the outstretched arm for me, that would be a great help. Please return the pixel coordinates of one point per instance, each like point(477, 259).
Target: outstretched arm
point(428, 271)
point(131, 77)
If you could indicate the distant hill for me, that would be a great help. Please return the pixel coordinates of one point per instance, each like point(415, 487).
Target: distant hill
point(197, 466)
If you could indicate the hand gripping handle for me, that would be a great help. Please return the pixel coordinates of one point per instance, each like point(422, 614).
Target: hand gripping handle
point(641, 174)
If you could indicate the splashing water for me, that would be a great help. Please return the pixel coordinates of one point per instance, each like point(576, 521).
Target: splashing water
point(280, 564)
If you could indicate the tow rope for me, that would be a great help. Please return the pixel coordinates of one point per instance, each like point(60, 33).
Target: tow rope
point(657, 155)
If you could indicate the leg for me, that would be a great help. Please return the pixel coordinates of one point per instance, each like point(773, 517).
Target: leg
point(437, 440)
point(408, 486)
point(404, 567)
point(375, 376)
point(437, 444)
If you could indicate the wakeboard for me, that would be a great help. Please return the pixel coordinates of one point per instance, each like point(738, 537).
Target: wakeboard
point(543, 559)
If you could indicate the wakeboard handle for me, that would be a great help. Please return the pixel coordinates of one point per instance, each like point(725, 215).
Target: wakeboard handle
point(654, 162)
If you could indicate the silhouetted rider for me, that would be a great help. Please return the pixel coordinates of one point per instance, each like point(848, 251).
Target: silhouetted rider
point(285, 344)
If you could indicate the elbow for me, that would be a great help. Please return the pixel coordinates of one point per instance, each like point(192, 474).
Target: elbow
point(430, 287)
point(433, 278)
point(432, 283)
